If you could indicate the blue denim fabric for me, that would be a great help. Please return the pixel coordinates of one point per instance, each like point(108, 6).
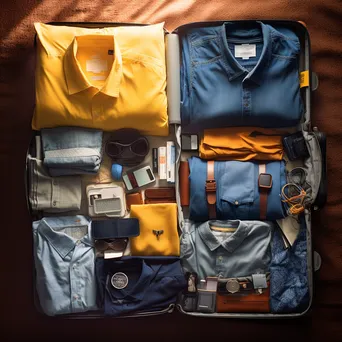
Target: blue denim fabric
point(72, 150)
point(289, 279)
point(65, 264)
point(153, 284)
point(220, 90)
point(237, 191)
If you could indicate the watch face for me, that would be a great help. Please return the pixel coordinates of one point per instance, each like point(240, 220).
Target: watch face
point(232, 286)
point(265, 180)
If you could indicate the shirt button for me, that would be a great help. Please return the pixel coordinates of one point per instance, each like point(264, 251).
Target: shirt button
point(246, 104)
point(220, 258)
point(75, 297)
point(54, 203)
point(236, 202)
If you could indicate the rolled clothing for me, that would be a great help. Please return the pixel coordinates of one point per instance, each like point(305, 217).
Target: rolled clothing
point(72, 151)
point(241, 143)
point(237, 190)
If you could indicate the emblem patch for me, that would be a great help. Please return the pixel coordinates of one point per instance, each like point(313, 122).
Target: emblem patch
point(119, 280)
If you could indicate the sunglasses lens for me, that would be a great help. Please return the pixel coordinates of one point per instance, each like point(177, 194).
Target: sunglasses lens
point(140, 147)
point(113, 150)
point(118, 245)
point(101, 245)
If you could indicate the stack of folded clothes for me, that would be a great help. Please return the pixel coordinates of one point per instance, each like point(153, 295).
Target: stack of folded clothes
point(72, 150)
point(52, 194)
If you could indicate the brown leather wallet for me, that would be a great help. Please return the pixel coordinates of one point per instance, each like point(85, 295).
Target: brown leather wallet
point(160, 195)
point(133, 198)
point(184, 183)
point(239, 295)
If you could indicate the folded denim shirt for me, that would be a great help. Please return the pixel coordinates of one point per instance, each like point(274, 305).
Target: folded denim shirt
point(237, 190)
point(289, 280)
point(64, 260)
point(52, 194)
point(240, 75)
point(72, 150)
point(135, 284)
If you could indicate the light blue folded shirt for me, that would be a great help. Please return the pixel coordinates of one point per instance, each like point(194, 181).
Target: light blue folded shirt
point(241, 253)
point(65, 264)
point(72, 150)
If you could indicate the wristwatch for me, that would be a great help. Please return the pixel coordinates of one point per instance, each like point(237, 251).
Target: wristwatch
point(265, 184)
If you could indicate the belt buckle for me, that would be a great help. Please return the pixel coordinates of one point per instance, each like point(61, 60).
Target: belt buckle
point(210, 185)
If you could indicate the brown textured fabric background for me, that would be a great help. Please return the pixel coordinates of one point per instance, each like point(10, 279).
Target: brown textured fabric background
point(19, 319)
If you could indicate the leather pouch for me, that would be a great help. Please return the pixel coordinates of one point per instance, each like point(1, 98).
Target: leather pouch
point(245, 299)
point(160, 195)
point(184, 185)
point(133, 198)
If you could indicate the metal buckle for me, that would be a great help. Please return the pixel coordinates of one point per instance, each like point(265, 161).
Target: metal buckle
point(210, 185)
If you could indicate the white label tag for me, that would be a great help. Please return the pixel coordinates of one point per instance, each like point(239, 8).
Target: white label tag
point(98, 78)
point(96, 65)
point(245, 51)
point(109, 254)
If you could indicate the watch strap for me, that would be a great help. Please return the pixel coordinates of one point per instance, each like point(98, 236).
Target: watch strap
point(210, 189)
point(263, 193)
point(115, 228)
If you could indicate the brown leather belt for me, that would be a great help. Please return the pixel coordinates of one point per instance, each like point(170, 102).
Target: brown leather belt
point(210, 189)
point(263, 195)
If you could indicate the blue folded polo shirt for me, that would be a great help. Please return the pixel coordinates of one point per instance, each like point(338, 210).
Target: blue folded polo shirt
point(135, 284)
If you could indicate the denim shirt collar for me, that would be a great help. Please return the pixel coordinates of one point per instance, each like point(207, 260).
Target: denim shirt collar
point(137, 291)
point(63, 244)
point(231, 242)
point(233, 67)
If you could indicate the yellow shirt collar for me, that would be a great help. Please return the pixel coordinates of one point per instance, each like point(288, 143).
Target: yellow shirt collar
point(76, 79)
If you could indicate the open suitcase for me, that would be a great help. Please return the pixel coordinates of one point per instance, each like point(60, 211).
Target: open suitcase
point(203, 294)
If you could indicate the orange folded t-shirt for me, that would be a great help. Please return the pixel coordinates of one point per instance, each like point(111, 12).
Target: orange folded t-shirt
point(241, 143)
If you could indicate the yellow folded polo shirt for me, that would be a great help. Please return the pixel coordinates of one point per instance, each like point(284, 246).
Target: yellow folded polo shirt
point(107, 78)
point(158, 230)
point(241, 143)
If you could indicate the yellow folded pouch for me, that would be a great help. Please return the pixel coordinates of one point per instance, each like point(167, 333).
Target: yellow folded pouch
point(158, 230)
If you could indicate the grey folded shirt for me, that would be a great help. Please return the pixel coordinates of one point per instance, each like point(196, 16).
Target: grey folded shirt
point(53, 194)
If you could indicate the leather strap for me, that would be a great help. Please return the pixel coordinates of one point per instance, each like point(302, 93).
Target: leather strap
point(115, 228)
point(210, 189)
point(263, 195)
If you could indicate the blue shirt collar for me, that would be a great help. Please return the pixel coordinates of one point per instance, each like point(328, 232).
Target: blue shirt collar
point(231, 242)
point(233, 67)
point(50, 228)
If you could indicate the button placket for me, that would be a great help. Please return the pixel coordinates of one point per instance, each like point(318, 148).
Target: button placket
point(75, 275)
point(96, 106)
point(246, 99)
point(55, 192)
